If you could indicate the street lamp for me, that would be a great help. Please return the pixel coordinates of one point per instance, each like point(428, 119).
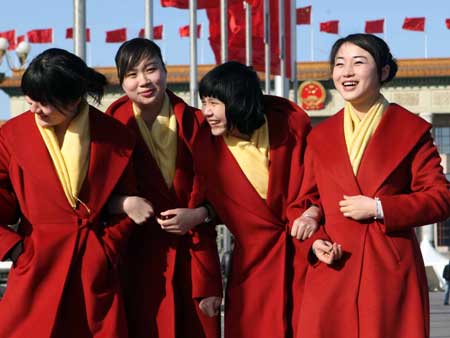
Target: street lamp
point(22, 50)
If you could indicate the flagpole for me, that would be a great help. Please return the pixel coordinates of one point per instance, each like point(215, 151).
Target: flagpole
point(312, 38)
point(193, 51)
point(294, 49)
point(267, 45)
point(223, 30)
point(248, 33)
point(385, 30)
point(148, 19)
point(426, 44)
point(79, 28)
point(282, 47)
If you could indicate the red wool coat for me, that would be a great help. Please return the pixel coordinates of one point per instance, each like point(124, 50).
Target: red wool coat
point(379, 289)
point(167, 273)
point(264, 264)
point(65, 283)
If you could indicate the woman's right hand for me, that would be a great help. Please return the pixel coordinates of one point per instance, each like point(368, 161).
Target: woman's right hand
point(137, 208)
point(326, 251)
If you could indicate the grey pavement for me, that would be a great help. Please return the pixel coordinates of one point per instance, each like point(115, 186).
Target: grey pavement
point(439, 316)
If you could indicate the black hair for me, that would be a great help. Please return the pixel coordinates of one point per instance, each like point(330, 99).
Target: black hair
point(375, 46)
point(132, 52)
point(59, 78)
point(239, 88)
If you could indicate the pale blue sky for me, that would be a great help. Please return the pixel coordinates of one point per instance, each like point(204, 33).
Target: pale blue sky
point(103, 15)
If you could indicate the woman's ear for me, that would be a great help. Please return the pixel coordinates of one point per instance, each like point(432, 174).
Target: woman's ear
point(385, 73)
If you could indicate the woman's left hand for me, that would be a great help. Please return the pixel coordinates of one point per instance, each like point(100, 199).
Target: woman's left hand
point(358, 207)
point(210, 306)
point(179, 221)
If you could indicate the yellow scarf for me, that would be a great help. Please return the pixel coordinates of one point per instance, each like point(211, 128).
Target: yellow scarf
point(162, 139)
point(253, 157)
point(358, 132)
point(71, 161)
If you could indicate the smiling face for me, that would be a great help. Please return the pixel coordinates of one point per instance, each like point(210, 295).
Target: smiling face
point(356, 77)
point(214, 111)
point(145, 84)
point(50, 116)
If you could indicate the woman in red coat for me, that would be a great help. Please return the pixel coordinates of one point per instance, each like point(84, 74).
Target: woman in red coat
point(173, 283)
point(62, 160)
point(379, 176)
point(250, 170)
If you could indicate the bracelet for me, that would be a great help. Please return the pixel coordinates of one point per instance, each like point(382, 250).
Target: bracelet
point(377, 209)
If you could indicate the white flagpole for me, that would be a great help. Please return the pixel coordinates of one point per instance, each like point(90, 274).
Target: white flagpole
point(79, 28)
point(311, 38)
point(294, 49)
point(267, 45)
point(282, 47)
point(426, 44)
point(385, 30)
point(224, 30)
point(248, 34)
point(149, 19)
point(193, 86)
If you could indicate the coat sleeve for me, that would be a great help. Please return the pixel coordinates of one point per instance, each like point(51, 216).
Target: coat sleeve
point(429, 198)
point(9, 209)
point(118, 228)
point(205, 263)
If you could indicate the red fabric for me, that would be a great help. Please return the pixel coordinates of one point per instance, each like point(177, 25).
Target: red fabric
point(380, 286)
point(67, 270)
point(69, 34)
point(447, 23)
point(331, 27)
point(118, 35)
point(236, 34)
point(304, 15)
point(184, 31)
point(374, 26)
point(40, 35)
point(11, 37)
point(157, 32)
point(414, 24)
point(266, 280)
point(184, 4)
point(167, 273)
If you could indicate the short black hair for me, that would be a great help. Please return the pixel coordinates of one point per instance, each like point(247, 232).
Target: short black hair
point(59, 78)
point(375, 46)
point(239, 88)
point(132, 52)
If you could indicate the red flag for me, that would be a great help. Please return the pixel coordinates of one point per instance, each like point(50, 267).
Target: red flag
point(69, 34)
point(374, 26)
point(414, 24)
point(236, 34)
point(447, 23)
point(40, 35)
point(304, 15)
point(331, 27)
point(117, 35)
point(184, 31)
point(184, 4)
point(157, 32)
point(11, 37)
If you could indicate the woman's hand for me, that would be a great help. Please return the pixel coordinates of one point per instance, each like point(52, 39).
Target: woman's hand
point(210, 306)
point(307, 224)
point(358, 207)
point(138, 209)
point(326, 251)
point(179, 221)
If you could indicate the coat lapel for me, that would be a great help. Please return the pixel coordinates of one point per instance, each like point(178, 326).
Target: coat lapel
point(332, 150)
point(111, 149)
point(392, 141)
point(229, 176)
point(33, 156)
